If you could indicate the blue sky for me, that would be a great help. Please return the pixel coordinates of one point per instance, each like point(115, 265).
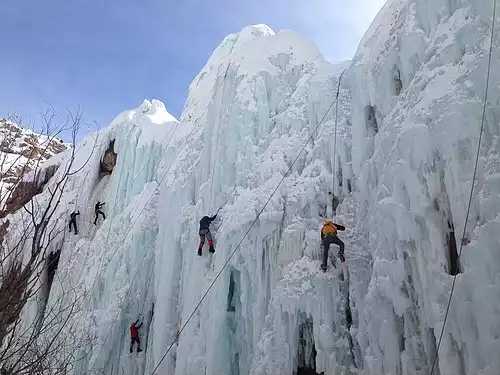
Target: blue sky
point(105, 56)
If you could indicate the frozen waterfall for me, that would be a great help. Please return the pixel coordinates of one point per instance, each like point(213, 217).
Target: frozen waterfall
point(409, 110)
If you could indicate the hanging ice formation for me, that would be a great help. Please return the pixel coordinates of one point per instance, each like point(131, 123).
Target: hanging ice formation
point(408, 124)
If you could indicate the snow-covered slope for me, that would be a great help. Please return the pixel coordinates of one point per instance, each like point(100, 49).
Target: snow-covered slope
point(21, 150)
point(408, 121)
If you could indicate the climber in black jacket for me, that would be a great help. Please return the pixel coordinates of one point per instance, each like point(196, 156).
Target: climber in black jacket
point(205, 232)
point(72, 221)
point(98, 211)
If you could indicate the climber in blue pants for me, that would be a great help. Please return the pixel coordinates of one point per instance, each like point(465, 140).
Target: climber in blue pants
point(328, 237)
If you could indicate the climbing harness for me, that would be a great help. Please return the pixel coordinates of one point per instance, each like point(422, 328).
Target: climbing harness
point(472, 183)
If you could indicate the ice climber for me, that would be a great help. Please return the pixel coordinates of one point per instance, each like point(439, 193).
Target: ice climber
point(72, 221)
point(134, 335)
point(328, 237)
point(98, 211)
point(205, 232)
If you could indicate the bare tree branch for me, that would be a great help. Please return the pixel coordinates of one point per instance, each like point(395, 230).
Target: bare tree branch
point(48, 343)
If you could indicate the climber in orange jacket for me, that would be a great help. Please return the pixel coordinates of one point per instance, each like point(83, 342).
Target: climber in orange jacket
point(328, 237)
point(134, 336)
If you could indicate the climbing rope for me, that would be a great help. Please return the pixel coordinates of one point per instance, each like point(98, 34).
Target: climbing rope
point(136, 175)
point(472, 183)
point(335, 140)
point(154, 192)
point(112, 210)
point(217, 141)
point(158, 185)
point(166, 146)
point(80, 190)
point(311, 137)
point(485, 101)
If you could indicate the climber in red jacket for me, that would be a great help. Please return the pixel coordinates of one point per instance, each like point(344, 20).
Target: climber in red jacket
point(134, 336)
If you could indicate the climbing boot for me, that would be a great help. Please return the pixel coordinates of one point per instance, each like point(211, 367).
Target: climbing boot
point(342, 258)
point(199, 252)
point(323, 267)
point(212, 249)
point(139, 350)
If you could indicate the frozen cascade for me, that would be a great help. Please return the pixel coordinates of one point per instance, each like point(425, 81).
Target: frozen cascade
point(408, 120)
